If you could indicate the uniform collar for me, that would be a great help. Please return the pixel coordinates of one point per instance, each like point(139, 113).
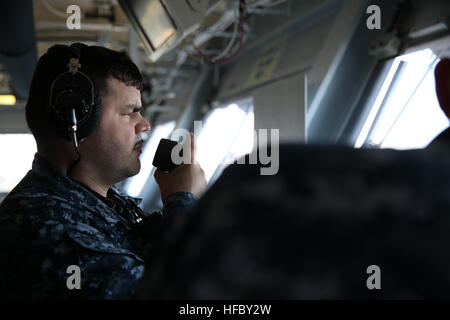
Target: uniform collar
point(75, 192)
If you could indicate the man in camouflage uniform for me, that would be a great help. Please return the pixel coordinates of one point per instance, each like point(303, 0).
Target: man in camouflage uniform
point(56, 218)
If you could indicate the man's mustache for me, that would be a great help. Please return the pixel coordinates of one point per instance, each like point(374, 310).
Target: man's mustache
point(138, 144)
point(140, 139)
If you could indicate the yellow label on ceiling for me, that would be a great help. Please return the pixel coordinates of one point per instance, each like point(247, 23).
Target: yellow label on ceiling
point(266, 63)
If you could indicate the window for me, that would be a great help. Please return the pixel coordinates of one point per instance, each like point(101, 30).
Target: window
point(17, 157)
point(406, 113)
point(227, 135)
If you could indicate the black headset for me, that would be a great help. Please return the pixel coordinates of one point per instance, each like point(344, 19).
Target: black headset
point(75, 106)
point(74, 103)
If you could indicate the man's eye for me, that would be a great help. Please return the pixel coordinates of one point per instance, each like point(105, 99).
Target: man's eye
point(141, 111)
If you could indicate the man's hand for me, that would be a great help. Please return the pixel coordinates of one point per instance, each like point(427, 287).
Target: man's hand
point(184, 178)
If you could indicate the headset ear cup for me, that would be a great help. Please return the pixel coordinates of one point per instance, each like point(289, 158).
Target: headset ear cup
point(89, 116)
point(86, 127)
point(59, 124)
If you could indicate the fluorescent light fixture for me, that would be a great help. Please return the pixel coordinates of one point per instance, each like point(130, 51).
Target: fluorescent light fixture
point(7, 99)
point(376, 107)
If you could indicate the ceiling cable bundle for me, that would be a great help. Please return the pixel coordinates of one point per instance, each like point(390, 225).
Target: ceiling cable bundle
point(220, 58)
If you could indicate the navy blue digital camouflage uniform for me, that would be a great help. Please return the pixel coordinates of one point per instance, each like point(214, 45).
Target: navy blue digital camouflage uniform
point(49, 222)
point(312, 230)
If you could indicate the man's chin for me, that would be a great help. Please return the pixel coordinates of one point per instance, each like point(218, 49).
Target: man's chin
point(131, 169)
point(135, 170)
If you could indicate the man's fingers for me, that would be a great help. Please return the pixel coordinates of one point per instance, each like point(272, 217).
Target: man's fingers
point(193, 147)
point(158, 174)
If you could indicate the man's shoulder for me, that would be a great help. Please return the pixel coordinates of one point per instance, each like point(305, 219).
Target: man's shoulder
point(32, 202)
point(35, 210)
point(33, 220)
point(46, 218)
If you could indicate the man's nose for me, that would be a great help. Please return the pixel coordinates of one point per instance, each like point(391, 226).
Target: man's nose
point(143, 126)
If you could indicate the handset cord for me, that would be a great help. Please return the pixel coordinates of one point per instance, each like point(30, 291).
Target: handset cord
point(73, 134)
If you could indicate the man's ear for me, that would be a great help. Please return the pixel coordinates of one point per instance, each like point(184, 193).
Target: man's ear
point(442, 75)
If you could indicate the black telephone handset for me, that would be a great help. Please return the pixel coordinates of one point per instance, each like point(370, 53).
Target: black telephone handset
point(163, 158)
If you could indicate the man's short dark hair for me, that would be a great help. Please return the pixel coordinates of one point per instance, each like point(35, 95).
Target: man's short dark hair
point(98, 63)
